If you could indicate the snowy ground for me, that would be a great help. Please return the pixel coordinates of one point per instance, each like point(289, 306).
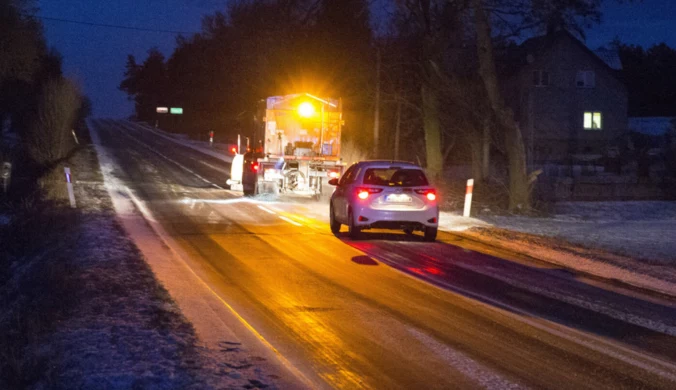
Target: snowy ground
point(115, 326)
point(642, 230)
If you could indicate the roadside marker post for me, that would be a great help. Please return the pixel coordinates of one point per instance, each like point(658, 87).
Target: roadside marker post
point(69, 185)
point(6, 175)
point(211, 138)
point(468, 197)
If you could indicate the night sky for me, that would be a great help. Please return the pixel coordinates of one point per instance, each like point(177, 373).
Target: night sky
point(95, 56)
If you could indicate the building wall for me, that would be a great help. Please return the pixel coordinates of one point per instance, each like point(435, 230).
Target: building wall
point(551, 117)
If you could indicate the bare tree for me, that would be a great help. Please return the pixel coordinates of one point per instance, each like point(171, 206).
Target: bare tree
point(519, 186)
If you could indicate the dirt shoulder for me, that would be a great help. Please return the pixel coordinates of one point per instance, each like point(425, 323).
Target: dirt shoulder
point(81, 308)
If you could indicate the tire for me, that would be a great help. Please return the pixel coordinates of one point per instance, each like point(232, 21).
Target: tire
point(335, 225)
point(430, 234)
point(249, 193)
point(408, 231)
point(353, 231)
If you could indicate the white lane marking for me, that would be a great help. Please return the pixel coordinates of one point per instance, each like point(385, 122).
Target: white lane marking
point(171, 160)
point(289, 220)
point(463, 363)
point(266, 210)
point(181, 255)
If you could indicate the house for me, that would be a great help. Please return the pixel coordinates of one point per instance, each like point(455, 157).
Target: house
point(568, 100)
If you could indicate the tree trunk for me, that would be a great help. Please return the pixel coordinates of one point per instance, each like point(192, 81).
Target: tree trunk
point(486, 151)
point(430, 103)
point(519, 187)
point(376, 121)
point(397, 132)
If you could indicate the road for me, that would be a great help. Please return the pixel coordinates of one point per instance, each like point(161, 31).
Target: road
point(391, 311)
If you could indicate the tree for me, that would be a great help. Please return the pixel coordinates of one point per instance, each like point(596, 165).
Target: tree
point(650, 79)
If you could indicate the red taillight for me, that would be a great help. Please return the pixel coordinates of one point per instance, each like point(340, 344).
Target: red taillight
point(363, 193)
point(255, 167)
point(234, 150)
point(429, 193)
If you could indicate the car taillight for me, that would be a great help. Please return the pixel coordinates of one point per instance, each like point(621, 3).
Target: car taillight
point(255, 167)
point(429, 193)
point(234, 150)
point(363, 193)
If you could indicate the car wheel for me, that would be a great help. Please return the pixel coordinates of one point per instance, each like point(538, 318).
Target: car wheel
point(248, 192)
point(408, 231)
point(430, 234)
point(353, 231)
point(335, 225)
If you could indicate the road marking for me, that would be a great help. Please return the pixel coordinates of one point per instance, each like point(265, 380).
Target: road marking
point(179, 254)
point(624, 354)
point(289, 220)
point(266, 210)
point(171, 160)
point(463, 363)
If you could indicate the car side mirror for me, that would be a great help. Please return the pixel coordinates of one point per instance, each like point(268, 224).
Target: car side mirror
point(333, 182)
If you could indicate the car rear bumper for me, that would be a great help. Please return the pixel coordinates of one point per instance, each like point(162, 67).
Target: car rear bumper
point(366, 217)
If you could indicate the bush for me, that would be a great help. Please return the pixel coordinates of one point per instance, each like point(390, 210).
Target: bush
point(48, 137)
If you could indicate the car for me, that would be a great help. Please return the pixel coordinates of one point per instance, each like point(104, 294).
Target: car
point(384, 195)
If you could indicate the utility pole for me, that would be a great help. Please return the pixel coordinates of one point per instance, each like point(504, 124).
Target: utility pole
point(376, 122)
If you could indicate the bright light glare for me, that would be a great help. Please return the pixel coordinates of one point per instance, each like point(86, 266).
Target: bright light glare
point(363, 194)
point(334, 175)
point(306, 109)
point(431, 196)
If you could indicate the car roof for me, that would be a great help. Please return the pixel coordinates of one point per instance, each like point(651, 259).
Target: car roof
point(387, 164)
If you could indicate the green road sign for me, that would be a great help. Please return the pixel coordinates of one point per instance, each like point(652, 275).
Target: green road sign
point(177, 110)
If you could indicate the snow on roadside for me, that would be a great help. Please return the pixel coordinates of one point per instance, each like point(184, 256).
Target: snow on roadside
point(124, 330)
point(636, 229)
point(195, 145)
point(224, 363)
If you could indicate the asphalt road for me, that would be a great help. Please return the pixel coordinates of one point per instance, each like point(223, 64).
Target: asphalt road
point(391, 311)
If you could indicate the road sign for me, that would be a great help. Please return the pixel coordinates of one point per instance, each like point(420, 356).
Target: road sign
point(163, 110)
point(177, 110)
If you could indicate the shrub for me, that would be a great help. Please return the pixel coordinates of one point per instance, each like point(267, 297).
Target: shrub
point(48, 137)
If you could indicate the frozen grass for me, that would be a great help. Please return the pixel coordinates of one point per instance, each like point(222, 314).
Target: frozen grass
point(80, 308)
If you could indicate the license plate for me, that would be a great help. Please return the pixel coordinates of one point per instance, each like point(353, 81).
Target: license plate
point(398, 198)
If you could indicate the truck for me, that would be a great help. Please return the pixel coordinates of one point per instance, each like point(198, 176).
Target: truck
point(294, 148)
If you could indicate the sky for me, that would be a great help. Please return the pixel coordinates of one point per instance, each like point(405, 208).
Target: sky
point(95, 57)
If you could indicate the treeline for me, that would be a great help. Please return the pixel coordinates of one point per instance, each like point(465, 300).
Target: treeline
point(422, 86)
point(650, 76)
point(36, 100)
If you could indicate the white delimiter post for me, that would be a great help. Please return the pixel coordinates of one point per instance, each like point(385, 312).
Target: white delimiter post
point(211, 138)
point(468, 197)
point(69, 185)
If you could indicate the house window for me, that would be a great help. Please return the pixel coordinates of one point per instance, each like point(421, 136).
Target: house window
point(585, 79)
point(540, 78)
point(592, 121)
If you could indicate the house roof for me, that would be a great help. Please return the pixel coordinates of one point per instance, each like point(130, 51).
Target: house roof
point(520, 56)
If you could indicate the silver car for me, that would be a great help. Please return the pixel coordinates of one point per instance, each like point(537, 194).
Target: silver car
point(384, 195)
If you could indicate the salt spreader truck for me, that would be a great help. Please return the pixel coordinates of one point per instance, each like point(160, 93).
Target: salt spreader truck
point(294, 149)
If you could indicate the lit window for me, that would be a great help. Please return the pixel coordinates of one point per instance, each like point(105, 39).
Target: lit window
point(540, 78)
point(592, 121)
point(585, 79)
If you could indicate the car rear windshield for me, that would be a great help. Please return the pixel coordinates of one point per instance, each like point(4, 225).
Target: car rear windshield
point(395, 177)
